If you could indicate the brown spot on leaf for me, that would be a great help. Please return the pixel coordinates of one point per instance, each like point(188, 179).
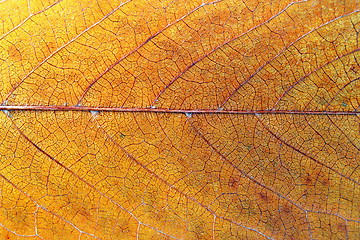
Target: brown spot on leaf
point(234, 182)
point(14, 53)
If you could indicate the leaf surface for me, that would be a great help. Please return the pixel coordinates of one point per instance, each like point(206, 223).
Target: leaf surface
point(179, 119)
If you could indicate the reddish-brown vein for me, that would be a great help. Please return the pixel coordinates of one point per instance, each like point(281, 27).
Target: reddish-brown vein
point(60, 48)
point(351, 141)
point(45, 209)
point(281, 52)
point(172, 186)
point(78, 177)
point(305, 154)
point(312, 72)
point(241, 171)
point(217, 151)
point(140, 46)
point(342, 89)
point(215, 49)
point(264, 186)
point(336, 215)
point(174, 111)
point(28, 18)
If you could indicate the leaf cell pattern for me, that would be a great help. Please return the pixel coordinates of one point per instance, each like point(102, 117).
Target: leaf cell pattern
point(143, 119)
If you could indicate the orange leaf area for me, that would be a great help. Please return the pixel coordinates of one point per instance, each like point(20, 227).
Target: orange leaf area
point(179, 119)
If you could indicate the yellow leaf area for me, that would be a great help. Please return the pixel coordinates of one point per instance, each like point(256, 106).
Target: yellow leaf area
point(274, 154)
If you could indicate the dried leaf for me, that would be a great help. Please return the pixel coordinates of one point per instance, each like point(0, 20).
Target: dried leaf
point(179, 119)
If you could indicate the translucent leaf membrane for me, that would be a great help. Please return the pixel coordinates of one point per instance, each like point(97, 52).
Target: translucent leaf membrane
point(179, 120)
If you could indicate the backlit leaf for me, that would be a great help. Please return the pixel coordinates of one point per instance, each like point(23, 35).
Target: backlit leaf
point(210, 119)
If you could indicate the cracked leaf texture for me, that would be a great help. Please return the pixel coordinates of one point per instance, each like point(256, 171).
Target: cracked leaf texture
point(270, 169)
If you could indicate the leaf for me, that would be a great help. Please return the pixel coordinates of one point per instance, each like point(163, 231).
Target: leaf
point(179, 119)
